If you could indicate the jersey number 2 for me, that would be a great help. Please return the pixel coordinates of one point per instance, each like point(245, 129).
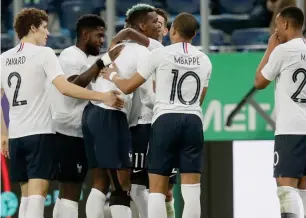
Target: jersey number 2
point(15, 102)
point(301, 87)
point(177, 87)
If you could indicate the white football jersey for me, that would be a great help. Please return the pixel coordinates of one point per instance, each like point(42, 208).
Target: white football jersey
point(144, 97)
point(126, 63)
point(26, 73)
point(181, 72)
point(287, 65)
point(66, 111)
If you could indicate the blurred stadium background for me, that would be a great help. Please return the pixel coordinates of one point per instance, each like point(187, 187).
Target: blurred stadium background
point(237, 176)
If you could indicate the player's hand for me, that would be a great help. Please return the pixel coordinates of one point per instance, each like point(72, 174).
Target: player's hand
point(273, 41)
point(113, 99)
point(106, 72)
point(4, 146)
point(114, 53)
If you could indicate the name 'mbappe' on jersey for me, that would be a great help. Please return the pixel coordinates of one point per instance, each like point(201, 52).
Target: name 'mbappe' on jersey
point(181, 72)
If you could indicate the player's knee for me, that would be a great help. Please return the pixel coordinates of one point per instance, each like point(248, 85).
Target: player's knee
point(120, 197)
point(291, 182)
point(38, 187)
point(169, 195)
point(124, 179)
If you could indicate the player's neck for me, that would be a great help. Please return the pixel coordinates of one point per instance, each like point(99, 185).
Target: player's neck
point(181, 40)
point(27, 39)
point(81, 47)
point(295, 35)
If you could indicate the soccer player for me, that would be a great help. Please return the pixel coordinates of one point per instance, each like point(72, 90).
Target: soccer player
point(67, 115)
point(284, 61)
point(163, 21)
point(102, 125)
point(26, 71)
point(182, 74)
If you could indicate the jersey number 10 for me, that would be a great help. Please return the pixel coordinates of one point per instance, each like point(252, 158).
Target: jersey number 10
point(15, 102)
point(294, 97)
point(177, 87)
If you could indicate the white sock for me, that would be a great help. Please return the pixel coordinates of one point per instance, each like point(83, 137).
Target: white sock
point(157, 206)
point(135, 213)
point(302, 193)
point(140, 195)
point(56, 208)
point(290, 201)
point(191, 195)
point(120, 211)
point(23, 207)
point(68, 208)
point(95, 204)
point(36, 206)
point(170, 209)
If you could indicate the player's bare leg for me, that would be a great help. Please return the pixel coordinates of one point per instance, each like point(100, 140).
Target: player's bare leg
point(158, 191)
point(191, 191)
point(24, 200)
point(37, 192)
point(290, 201)
point(302, 191)
point(96, 199)
point(120, 198)
point(170, 202)
point(68, 200)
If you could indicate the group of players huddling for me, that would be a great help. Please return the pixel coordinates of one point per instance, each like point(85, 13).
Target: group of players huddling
point(134, 115)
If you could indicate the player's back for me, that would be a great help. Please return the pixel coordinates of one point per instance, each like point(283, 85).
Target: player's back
point(24, 81)
point(182, 73)
point(126, 63)
point(290, 90)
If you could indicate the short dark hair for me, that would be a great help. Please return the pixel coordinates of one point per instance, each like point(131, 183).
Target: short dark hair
point(294, 14)
point(138, 13)
point(28, 17)
point(164, 14)
point(88, 21)
point(186, 25)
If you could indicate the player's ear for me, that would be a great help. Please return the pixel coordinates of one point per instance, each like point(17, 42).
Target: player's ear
point(33, 29)
point(286, 24)
point(142, 27)
point(85, 35)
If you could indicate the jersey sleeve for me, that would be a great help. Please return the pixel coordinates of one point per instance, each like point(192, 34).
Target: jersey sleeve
point(147, 65)
point(52, 66)
point(273, 67)
point(70, 65)
point(154, 44)
point(208, 71)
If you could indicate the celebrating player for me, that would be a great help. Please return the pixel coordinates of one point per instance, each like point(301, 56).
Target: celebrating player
point(284, 61)
point(182, 74)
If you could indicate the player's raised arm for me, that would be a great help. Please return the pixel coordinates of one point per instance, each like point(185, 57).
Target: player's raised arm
point(268, 64)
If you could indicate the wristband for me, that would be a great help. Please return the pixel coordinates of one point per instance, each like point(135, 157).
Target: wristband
point(106, 59)
point(111, 76)
point(100, 64)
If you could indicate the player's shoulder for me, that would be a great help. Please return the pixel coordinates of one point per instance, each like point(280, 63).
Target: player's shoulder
point(72, 51)
point(134, 48)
